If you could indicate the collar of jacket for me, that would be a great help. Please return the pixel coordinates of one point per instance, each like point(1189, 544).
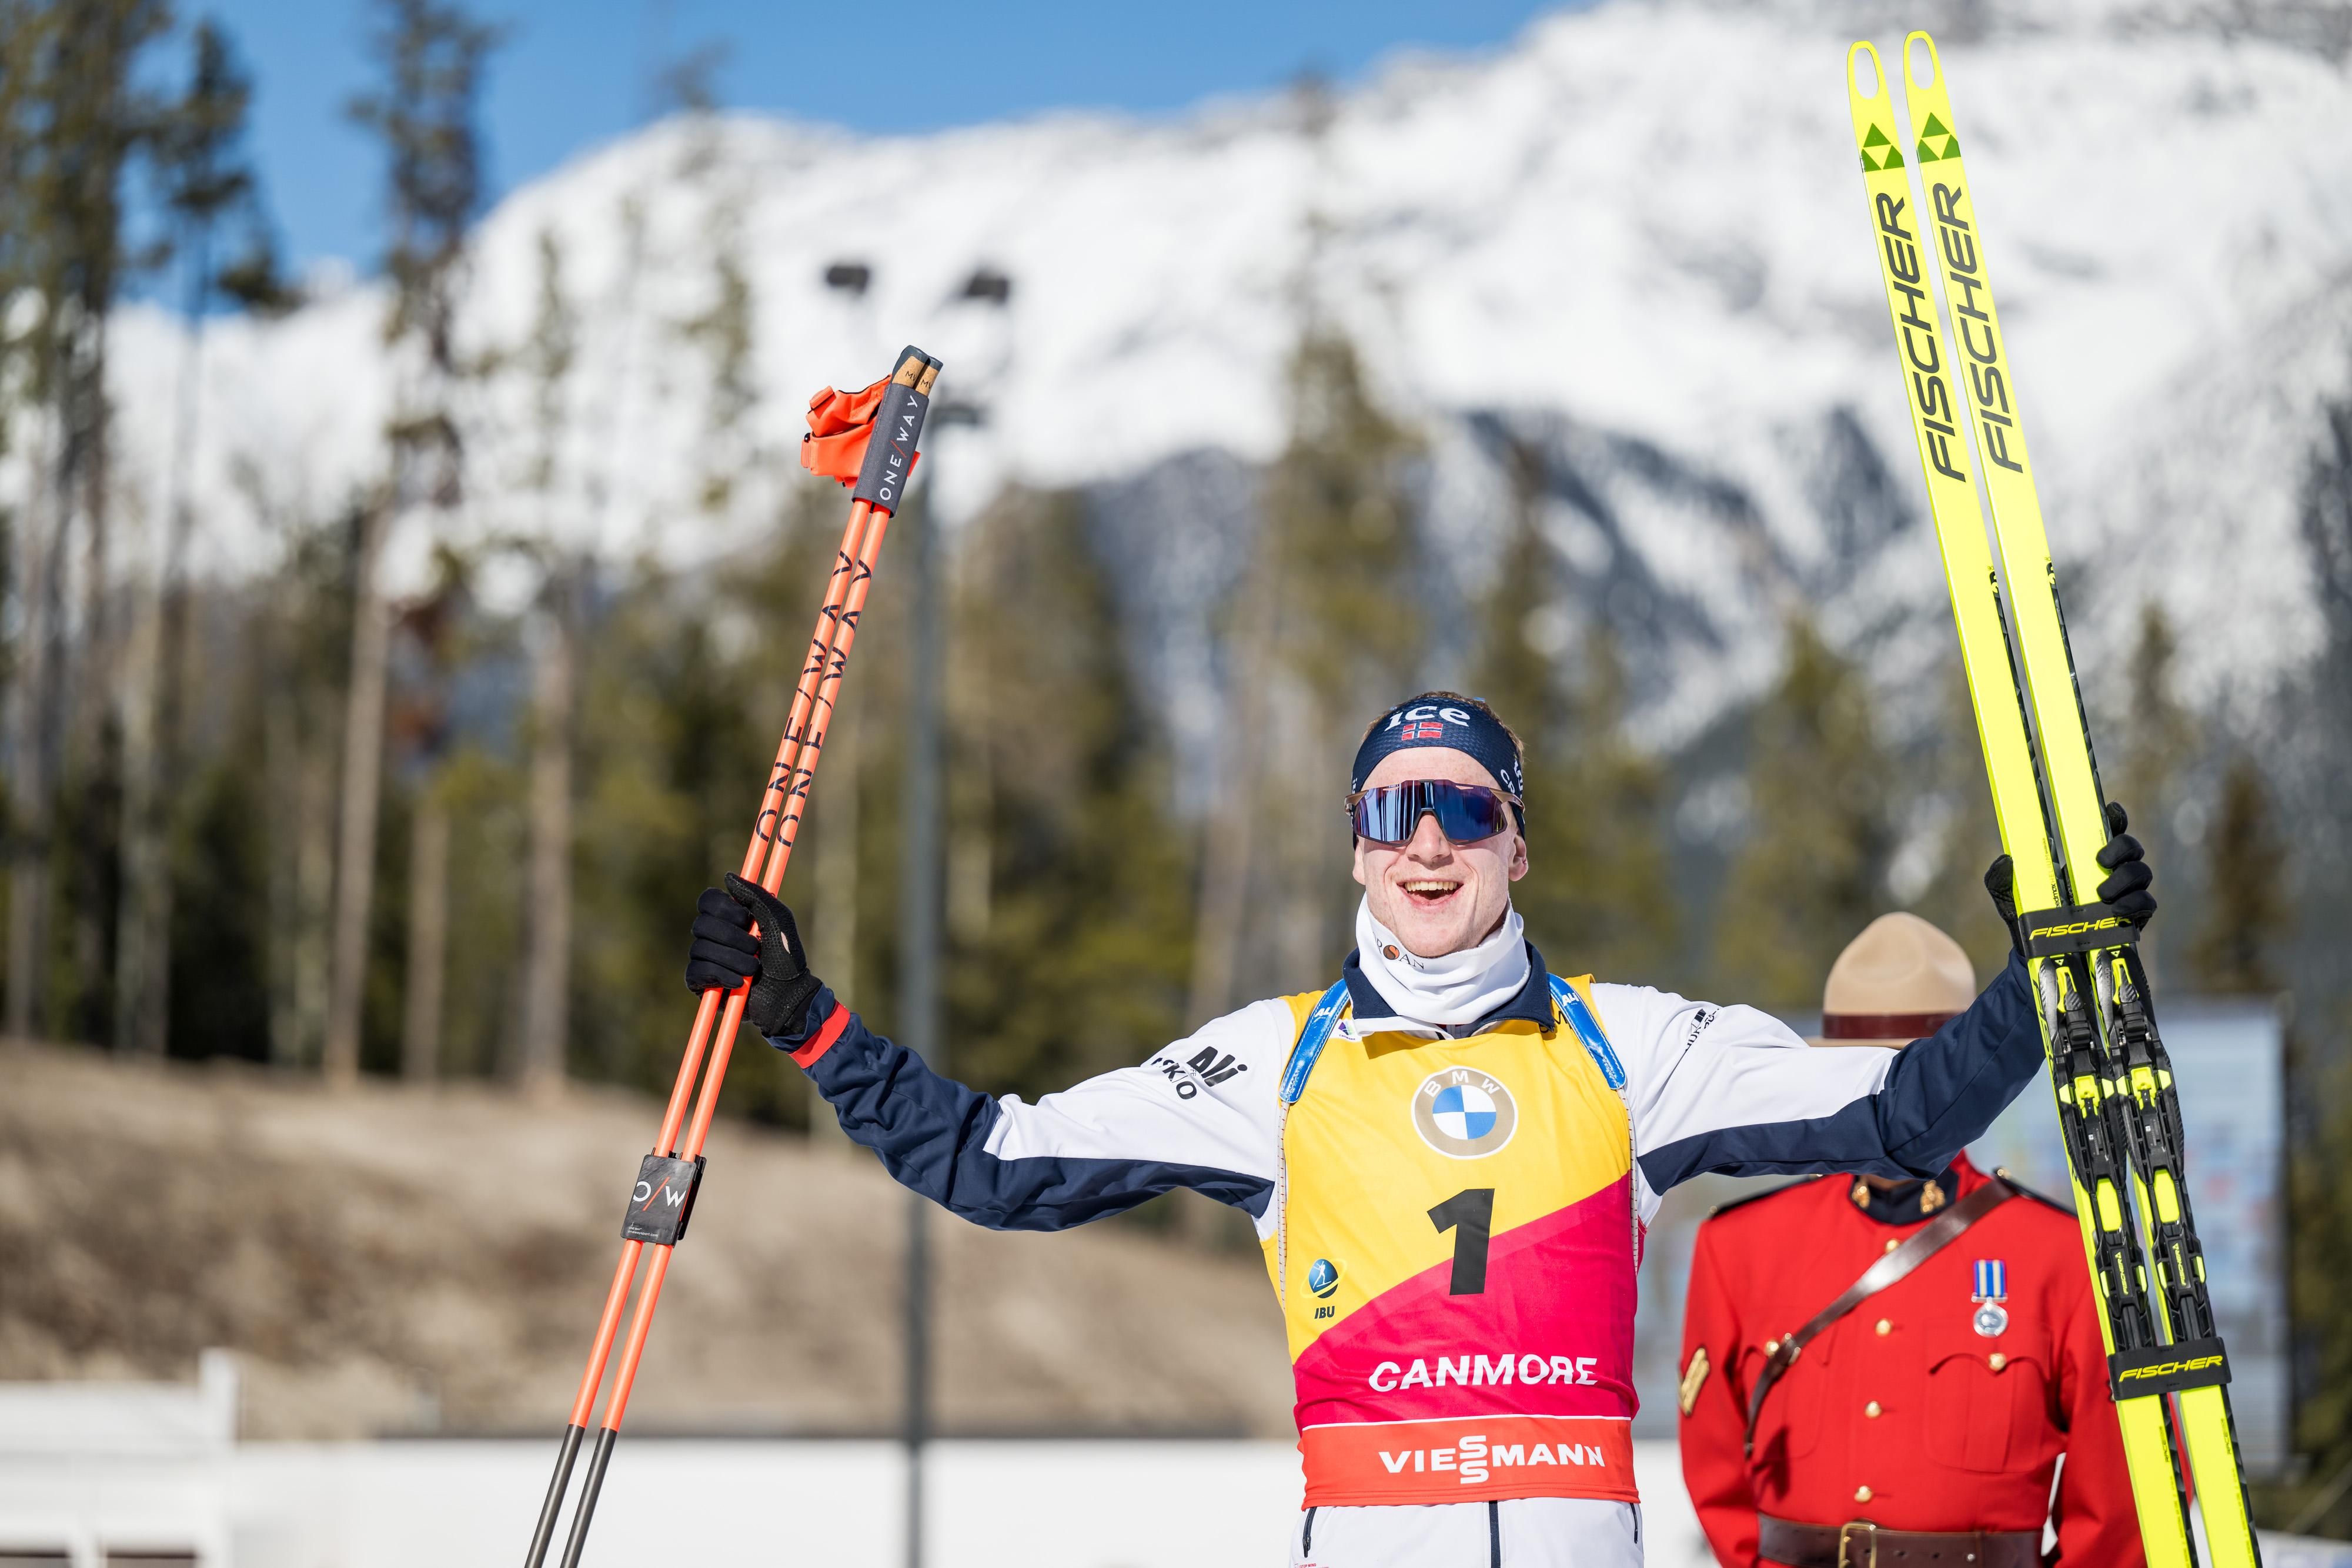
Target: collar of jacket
point(1905, 1203)
point(1368, 1007)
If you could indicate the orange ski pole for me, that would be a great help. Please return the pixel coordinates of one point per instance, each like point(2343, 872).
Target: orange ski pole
point(663, 1199)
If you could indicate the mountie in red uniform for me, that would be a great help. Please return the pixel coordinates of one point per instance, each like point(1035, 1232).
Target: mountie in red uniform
point(1940, 1404)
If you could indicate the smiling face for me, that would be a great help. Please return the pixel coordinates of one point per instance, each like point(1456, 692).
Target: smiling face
point(1439, 896)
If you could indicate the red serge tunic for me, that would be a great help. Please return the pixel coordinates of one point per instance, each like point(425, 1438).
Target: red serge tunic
point(1902, 1412)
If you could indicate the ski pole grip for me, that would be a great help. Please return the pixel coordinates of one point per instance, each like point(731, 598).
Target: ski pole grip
point(897, 426)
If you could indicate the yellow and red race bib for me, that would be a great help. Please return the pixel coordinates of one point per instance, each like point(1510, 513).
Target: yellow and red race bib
point(1460, 1238)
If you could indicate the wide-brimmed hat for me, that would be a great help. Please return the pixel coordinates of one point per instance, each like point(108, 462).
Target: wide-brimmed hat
point(1898, 981)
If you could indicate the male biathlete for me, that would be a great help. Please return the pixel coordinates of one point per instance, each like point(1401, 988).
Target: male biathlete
point(1450, 1155)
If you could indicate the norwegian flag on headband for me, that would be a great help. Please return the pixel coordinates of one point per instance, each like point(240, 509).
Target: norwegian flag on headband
point(1443, 718)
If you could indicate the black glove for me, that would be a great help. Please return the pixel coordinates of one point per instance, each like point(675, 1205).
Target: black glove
point(725, 954)
point(2125, 890)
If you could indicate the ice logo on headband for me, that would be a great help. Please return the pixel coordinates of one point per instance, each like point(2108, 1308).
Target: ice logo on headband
point(1423, 722)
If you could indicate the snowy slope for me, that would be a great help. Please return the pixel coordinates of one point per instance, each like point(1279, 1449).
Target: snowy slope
point(1636, 237)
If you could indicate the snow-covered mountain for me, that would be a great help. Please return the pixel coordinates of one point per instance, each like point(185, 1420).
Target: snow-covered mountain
point(1635, 238)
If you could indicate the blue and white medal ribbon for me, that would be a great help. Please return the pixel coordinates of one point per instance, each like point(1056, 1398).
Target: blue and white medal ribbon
point(1991, 1289)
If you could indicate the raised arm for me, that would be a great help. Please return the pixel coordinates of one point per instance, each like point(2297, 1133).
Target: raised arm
point(1199, 1114)
point(1735, 1090)
point(1095, 1149)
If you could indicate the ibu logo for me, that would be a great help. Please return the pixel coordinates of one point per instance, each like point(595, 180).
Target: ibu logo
point(1323, 1278)
point(1462, 1113)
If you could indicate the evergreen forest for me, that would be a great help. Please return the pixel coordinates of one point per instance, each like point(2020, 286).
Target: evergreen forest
point(301, 820)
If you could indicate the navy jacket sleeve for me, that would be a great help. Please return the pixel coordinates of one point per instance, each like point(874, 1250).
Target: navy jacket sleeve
point(1733, 1089)
point(1187, 1117)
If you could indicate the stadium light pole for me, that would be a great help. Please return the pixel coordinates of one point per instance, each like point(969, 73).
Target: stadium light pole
point(921, 889)
point(851, 279)
point(919, 948)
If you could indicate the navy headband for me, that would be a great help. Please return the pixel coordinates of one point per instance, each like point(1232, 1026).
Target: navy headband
point(1433, 720)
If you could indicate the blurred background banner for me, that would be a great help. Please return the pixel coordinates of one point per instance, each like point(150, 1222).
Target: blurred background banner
point(2229, 1059)
point(404, 569)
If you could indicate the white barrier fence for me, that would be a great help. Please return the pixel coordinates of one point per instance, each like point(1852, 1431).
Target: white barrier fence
point(774, 1504)
point(142, 1476)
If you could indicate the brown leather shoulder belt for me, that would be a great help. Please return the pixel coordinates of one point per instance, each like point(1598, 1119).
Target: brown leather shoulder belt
point(1924, 1244)
point(1864, 1545)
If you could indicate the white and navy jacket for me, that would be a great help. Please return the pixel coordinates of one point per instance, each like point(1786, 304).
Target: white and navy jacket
point(1724, 1089)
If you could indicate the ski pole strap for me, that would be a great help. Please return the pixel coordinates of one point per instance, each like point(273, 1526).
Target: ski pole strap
point(2075, 928)
point(1312, 1037)
point(897, 426)
point(663, 1200)
point(1925, 1243)
point(2168, 1368)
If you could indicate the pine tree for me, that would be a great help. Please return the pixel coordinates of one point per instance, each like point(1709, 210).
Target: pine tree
point(554, 642)
point(2319, 1084)
point(100, 119)
point(2320, 1226)
point(683, 684)
point(428, 639)
point(1327, 634)
point(302, 631)
point(1340, 530)
point(2159, 742)
point(83, 116)
point(1516, 670)
point(2234, 948)
point(1599, 898)
point(1812, 872)
point(206, 179)
point(1082, 961)
point(1970, 837)
point(1613, 911)
point(2325, 513)
point(24, 25)
point(432, 57)
point(724, 331)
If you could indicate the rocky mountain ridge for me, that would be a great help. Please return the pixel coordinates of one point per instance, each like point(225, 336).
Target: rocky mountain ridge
point(1632, 240)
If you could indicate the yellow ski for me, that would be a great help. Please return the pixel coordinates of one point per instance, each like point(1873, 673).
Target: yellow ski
point(1933, 391)
point(2136, 1076)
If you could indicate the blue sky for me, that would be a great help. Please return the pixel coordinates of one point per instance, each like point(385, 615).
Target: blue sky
point(574, 74)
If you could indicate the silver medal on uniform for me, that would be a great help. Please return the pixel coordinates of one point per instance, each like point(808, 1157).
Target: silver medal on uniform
point(1991, 1318)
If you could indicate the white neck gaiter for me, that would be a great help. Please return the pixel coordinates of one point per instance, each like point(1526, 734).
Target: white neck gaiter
point(1458, 988)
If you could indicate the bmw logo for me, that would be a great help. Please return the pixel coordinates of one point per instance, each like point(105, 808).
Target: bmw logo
point(1323, 1277)
point(1464, 1114)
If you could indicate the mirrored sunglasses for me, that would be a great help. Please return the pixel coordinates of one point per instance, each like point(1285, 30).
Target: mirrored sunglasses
point(1466, 812)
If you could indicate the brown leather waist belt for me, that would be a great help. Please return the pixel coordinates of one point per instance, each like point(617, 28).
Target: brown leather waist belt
point(1863, 1545)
